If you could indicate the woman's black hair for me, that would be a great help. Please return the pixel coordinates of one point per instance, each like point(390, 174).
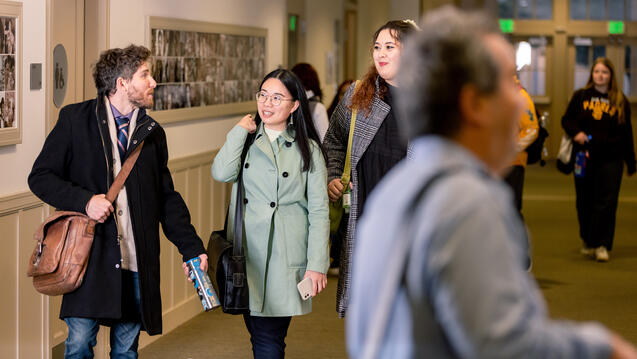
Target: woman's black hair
point(303, 126)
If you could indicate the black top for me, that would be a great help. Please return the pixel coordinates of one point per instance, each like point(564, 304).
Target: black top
point(383, 153)
point(590, 112)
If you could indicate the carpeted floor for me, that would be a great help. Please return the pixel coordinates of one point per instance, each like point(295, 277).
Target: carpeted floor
point(574, 287)
point(217, 335)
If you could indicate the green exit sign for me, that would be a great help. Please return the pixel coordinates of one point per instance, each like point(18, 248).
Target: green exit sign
point(616, 27)
point(506, 25)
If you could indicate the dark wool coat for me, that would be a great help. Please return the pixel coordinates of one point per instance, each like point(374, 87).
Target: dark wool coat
point(75, 163)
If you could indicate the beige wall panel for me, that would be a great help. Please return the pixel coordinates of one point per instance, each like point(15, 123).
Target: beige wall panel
point(31, 309)
point(192, 195)
point(178, 279)
point(9, 285)
point(218, 196)
point(206, 204)
point(57, 327)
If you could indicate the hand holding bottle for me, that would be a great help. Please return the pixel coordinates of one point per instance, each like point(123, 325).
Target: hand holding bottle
point(581, 138)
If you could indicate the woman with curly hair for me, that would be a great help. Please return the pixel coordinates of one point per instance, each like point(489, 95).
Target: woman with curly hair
point(376, 144)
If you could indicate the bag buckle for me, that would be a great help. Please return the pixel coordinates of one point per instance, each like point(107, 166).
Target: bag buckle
point(38, 255)
point(238, 279)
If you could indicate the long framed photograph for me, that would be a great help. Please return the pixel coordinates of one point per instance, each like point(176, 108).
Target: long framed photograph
point(204, 69)
point(10, 72)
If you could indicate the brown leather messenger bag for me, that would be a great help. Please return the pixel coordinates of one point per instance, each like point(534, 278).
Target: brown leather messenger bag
point(60, 257)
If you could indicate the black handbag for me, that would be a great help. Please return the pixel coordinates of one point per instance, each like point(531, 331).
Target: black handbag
point(227, 263)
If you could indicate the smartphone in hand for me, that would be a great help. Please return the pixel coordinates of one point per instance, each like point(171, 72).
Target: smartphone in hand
point(305, 288)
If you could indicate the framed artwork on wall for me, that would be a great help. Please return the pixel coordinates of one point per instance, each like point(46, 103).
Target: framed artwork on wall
point(10, 73)
point(204, 69)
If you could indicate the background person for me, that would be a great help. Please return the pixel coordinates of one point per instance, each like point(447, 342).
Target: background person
point(376, 146)
point(286, 208)
point(528, 129)
point(600, 110)
point(73, 172)
point(462, 287)
point(310, 80)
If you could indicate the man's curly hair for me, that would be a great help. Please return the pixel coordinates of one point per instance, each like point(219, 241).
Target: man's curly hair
point(114, 63)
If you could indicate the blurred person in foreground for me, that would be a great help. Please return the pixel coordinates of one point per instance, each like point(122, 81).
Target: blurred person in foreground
point(460, 288)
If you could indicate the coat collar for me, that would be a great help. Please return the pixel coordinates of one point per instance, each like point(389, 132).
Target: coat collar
point(287, 135)
point(145, 126)
point(262, 141)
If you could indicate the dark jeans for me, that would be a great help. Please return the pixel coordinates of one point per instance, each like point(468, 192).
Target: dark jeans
point(515, 179)
point(267, 335)
point(124, 335)
point(596, 199)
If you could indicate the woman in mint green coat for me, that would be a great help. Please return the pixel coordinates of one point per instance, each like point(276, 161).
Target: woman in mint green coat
point(286, 221)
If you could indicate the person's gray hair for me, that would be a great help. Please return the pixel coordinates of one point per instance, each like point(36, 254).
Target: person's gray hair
point(436, 63)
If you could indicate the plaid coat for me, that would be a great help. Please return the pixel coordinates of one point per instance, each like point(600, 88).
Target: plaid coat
point(335, 144)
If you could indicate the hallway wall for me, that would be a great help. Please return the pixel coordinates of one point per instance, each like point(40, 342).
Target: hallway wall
point(31, 327)
point(16, 160)
point(371, 15)
point(320, 40)
point(129, 21)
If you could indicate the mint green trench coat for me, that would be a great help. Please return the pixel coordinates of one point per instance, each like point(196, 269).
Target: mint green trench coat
point(286, 220)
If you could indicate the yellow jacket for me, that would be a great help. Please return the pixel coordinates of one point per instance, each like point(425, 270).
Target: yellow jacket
point(529, 128)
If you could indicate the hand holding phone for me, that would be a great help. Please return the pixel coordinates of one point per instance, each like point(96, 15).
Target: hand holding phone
point(305, 288)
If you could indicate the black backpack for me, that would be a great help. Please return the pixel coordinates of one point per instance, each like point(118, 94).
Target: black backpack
point(535, 148)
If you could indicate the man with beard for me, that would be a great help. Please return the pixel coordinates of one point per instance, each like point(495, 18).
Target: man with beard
point(79, 161)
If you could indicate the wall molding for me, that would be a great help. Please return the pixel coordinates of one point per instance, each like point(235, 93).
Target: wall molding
point(25, 200)
point(183, 163)
point(18, 201)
